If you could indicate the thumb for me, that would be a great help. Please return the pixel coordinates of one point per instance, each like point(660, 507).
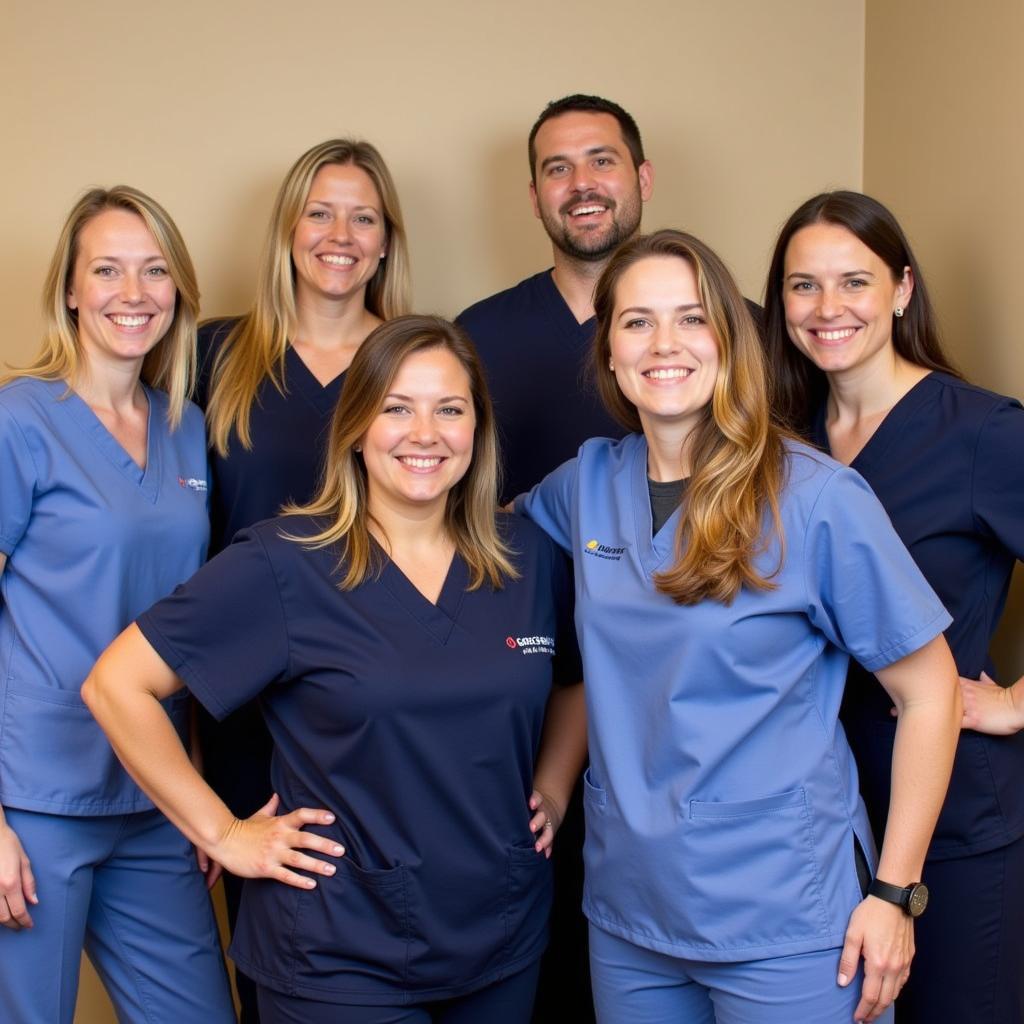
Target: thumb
point(28, 883)
point(986, 678)
point(849, 960)
point(269, 809)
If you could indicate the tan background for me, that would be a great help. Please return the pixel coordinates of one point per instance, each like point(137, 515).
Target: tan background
point(746, 108)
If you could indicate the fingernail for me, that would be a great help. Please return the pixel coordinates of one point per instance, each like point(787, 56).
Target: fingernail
point(310, 884)
point(338, 849)
point(328, 818)
point(328, 869)
point(843, 979)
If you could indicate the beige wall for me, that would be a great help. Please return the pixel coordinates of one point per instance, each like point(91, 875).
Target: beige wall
point(944, 147)
point(204, 105)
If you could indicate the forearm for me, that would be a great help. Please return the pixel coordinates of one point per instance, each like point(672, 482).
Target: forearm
point(563, 748)
point(123, 692)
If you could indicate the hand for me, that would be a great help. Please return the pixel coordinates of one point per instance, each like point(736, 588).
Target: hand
point(208, 868)
point(17, 883)
point(883, 935)
point(991, 708)
point(266, 846)
point(547, 818)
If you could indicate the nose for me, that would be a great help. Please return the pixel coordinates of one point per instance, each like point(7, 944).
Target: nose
point(422, 429)
point(582, 178)
point(830, 304)
point(132, 288)
point(340, 230)
point(664, 341)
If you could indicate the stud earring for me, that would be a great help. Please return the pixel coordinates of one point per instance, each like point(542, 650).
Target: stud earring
point(357, 447)
point(898, 311)
point(611, 366)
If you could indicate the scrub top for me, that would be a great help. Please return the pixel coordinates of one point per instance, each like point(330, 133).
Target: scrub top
point(721, 797)
point(417, 725)
point(947, 463)
point(91, 541)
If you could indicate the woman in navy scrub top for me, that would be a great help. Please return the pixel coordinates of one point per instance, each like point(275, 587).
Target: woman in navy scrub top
point(404, 645)
point(102, 511)
point(334, 267)
point(724, 574)
point(860, 370)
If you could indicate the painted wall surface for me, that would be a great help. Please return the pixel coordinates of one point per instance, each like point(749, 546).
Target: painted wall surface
point(743, 111)
point(944, 147)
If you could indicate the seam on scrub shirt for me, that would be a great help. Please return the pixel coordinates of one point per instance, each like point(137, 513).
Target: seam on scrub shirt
point(280, 601)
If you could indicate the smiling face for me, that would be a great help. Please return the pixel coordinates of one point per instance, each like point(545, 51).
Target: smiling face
point(663, 352)
point(120, 288)
point(421, 443)
point(840, 298)
point(587, 192)
point(340, 237)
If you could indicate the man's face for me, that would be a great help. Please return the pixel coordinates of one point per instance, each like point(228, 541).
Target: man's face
point(587, 193)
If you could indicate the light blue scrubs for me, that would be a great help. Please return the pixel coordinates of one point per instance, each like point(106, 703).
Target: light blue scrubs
point(721, 798)
point(91, 541)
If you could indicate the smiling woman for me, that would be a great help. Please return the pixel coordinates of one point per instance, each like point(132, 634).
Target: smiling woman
point(102, 511)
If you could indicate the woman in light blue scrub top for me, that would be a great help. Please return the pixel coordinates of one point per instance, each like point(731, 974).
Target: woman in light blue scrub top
point(102, 511)
point(725, 573)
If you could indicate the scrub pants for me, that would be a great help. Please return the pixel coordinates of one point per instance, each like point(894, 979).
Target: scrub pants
point(504, 1002)
point(969, 965)
point(126, 887)
point(645, 987)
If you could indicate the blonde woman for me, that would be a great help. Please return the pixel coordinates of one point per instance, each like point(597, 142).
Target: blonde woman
point(102, 511)
point(404, 644)
point(724, 576)
point(335, 266)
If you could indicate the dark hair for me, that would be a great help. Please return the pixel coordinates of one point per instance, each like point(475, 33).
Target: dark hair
point(579, 103)
point(798, 386)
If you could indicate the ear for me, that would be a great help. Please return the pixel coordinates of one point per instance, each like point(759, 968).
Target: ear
point(69, 298)
point(905, 288)
point(533, 200)
point(645, 174)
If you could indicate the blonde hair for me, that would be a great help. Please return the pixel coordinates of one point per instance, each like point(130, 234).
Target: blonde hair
point(255, 347)
point(342, 498)
point(171, 364)
point(736, 450)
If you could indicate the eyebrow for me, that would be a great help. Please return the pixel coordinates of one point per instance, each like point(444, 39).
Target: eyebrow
point(848, 273)
point(327, 202)
point(441, 401)
point(117, 259)
point(646, 309)
point(593, 151)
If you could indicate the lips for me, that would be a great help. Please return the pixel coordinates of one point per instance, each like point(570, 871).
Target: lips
point(667, 373)
point(336, 259)
point(420, 463)
point(129, 320)
point(834, 335)
point(585, 206)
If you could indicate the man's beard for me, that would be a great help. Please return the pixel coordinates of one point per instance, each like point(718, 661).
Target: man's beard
point(594, 246)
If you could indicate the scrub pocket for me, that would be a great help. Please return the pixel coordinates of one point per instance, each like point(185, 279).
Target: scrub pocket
point(752, 870)
point(528, 901)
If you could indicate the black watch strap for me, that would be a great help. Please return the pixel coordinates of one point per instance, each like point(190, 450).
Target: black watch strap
point(911, 900)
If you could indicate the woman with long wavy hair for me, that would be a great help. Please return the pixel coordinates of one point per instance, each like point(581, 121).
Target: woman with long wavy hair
point(103, 495)
point(335, 266)
point(860, 369)
point(725, 573)
point(404, 639)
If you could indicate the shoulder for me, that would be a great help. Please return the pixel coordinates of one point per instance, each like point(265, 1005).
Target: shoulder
point(27, 396)
point(608, 452)
point(534, 553)
point(963, 403)
point(811, 475)
point(211, 334)
point(518, 298)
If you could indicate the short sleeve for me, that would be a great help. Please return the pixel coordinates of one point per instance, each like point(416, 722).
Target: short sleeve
point(549, 503)
point(568, 665)
point(17, 482)
point(997, 485)
point(865, 592)
point(224, 631)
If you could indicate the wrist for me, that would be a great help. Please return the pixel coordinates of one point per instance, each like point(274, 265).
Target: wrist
point(1015, 696)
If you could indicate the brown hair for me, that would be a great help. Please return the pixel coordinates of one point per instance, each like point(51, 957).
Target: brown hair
point(342, 498)
point(737, 453)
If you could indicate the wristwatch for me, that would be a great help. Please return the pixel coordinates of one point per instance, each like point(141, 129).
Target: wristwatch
point(912, 900)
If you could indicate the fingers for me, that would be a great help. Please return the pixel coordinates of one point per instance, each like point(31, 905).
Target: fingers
point(269, 809)
point(848, 960)
point(213, 874)
point(13, 912)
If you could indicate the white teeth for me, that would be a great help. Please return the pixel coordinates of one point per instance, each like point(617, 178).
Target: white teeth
point(420, 463)
point(672, 374)
point(846, 332)
point(337, 261)
point(582, 210)
point(131, 321)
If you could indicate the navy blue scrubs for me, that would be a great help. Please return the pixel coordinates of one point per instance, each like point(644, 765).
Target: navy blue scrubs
point(947, 463)
point(417, 725)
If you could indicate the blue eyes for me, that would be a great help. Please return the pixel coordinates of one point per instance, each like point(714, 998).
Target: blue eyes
point(404, 410)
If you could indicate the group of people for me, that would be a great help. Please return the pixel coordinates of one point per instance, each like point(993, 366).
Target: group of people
point(772, 544)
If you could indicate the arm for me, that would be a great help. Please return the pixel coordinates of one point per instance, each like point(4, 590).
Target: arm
point(923, 686)
point(17, 883)
point(124, 691)
point(563, 751)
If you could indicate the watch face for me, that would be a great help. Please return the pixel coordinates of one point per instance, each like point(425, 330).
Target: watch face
point(918, 900)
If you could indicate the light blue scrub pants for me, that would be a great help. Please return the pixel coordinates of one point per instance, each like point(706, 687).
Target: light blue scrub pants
point(644, 987)
point(126, 887)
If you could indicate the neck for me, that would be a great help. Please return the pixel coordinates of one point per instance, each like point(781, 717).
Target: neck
point(872, 388)
point(408, 528)
point(668, 451)
point(328, 324)
point(575, 280)
point(109, 386)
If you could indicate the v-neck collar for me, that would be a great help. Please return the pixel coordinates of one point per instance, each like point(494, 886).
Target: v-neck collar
point(323, 397)
point(437, 619)
point(573, 332)
point(654, 551)
point(886, 432)
point(146, 480)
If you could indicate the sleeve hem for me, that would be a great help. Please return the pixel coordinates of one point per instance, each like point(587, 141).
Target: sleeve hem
point(908, 645)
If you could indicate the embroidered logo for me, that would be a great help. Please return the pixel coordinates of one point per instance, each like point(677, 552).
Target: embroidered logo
point(192, 484)
point(599, 550)
point(531, 644)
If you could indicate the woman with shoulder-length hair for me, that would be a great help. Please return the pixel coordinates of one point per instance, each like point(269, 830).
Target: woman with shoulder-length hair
point(403, 643)
point(860, 369)
point(335, 266)
point(724, 575)
point(102, 511)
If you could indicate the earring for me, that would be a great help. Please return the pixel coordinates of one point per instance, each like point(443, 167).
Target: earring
point(611, 366)
point(383, 254)
point(898, 311)
point(357, 447)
